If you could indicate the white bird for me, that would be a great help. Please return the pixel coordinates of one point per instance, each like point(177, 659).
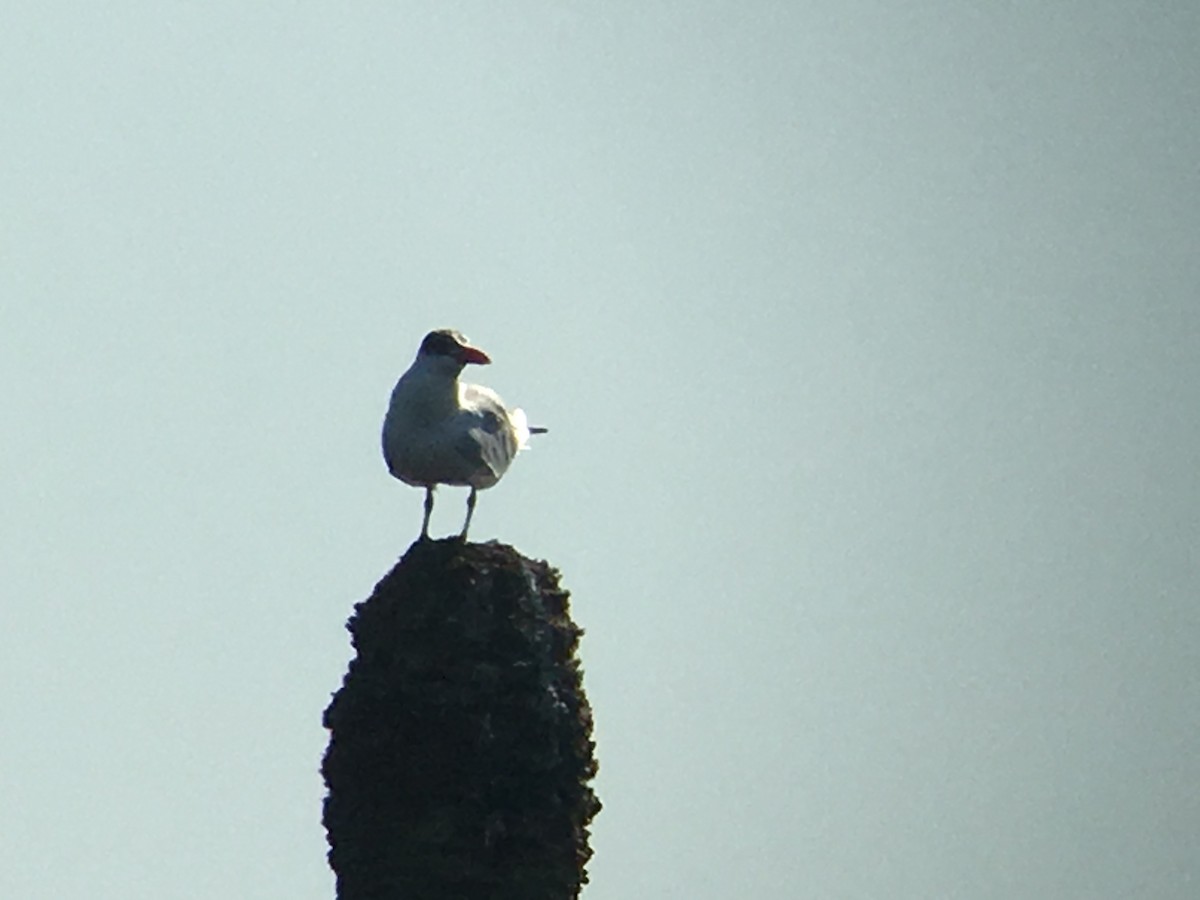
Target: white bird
point(440, 431)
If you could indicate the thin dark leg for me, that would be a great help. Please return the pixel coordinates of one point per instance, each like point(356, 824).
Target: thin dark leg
point(428, 513)
point(470, 512)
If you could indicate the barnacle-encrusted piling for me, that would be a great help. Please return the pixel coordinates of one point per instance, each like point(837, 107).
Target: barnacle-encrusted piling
point(460, 753)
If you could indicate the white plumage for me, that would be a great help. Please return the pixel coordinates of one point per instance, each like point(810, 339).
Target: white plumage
point(441, 431)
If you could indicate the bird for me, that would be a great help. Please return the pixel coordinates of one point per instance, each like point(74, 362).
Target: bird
point(439, 430)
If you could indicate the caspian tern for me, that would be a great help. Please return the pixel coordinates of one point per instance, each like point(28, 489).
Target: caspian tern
point(440, 431)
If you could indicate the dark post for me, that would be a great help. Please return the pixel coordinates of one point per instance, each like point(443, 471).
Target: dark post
point(460, 749)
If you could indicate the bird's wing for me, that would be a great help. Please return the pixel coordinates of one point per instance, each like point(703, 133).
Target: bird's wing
point(487, 435)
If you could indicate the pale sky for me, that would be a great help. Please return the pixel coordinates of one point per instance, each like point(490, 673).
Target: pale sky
point(868, 335)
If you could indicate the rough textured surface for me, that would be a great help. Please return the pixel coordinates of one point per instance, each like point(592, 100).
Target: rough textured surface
point(460, 752)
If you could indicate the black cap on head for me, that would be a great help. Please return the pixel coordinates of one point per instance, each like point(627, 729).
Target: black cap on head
point(451, 343)
point(443, 342)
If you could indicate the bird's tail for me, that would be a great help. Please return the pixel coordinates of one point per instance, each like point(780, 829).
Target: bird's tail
point(521, 427)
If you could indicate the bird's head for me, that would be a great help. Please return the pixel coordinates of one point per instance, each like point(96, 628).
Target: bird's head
point(447, 350)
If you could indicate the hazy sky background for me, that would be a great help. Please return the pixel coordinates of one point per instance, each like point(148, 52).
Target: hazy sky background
point(869, 337)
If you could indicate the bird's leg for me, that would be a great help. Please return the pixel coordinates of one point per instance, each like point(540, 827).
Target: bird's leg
point(470, 512)
point(428, 512)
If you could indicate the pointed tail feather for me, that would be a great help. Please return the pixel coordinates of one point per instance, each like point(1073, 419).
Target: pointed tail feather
point(521, 428)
